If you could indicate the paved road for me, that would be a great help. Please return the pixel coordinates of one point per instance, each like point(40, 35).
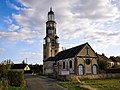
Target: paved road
point(41, 83)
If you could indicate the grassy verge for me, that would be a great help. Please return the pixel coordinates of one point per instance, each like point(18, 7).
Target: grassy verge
point(104, 84)
point(70, 85)
point(99, 84)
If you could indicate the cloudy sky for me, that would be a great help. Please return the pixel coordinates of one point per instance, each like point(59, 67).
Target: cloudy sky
point(22, 26)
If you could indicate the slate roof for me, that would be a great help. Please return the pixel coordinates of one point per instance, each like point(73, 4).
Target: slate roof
point(103, 57)
point(18, 66)
point(69, 53)
point(114, 59)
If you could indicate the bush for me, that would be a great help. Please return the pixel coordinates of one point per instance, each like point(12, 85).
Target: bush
point(113, 70)
point(102, 64)
point(16, 78)
point(3, 84)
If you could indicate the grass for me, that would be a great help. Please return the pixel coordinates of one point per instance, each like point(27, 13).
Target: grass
point(104, 84)
point(16, 88)
point(98, 84)
point(71, 86)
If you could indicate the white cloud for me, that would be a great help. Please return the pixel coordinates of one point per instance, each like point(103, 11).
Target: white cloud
point(83, 20)
point(13, 27)
point(24, 35)
point(2, 50)
point(32, 57)
point(11, 5)
point(95, 10)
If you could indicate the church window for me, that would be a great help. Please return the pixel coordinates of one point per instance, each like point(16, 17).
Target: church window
point(57, 40)
point(48, 39)
point(63, 65)
point(70, 64)
point(87, 61)
point(51, 24)
point(52, 42)
point(58, 63)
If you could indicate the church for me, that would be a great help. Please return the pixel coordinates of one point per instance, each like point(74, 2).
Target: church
point(78, 60)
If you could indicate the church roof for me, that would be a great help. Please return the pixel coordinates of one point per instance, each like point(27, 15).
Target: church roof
point(50, 59)
point(69, 53)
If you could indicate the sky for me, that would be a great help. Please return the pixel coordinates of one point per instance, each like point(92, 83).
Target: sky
point(22, 27)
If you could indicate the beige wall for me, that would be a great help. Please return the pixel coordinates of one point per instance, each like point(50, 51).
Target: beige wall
point(48, 67)
point(81, 59)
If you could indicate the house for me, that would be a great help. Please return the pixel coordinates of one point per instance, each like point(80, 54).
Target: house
point(105, 58)
point(79, 60)
point(22, 67)
point(115, 60)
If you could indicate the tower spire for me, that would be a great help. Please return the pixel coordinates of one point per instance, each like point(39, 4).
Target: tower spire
point(50, 8)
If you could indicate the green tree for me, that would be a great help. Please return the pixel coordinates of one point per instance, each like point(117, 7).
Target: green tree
point(102, 64)
point(36, 68)
point(4, 70)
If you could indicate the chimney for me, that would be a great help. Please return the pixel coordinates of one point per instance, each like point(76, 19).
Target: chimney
point(103, 54)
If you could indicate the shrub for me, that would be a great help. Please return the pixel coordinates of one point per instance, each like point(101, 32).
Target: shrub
point(113, 70)
point(3, 84)
point(16, 78)
point(102, 65)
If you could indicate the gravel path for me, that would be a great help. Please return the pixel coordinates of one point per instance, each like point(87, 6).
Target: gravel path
point(41, 83)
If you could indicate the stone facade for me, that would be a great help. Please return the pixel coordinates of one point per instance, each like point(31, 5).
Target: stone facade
point(51, 45)
point(84, 62)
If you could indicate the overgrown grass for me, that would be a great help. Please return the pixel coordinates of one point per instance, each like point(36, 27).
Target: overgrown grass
point(98, 84)
point(71, 86)
point(104, 84)
point(16, 88)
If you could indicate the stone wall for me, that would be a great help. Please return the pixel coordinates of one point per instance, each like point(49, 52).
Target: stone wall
point(98, 76)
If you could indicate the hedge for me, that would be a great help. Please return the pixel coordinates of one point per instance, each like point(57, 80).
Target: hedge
point(16, 78)
point(113, 70)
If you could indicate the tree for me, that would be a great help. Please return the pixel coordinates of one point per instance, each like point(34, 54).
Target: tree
point(4, 70)
point(36, 68)
point(8, 61)
point(102, 64)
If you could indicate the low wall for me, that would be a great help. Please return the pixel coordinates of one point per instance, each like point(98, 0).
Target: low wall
point(98, 76)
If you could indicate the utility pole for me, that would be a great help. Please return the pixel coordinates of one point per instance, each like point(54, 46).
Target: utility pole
point(26, 60)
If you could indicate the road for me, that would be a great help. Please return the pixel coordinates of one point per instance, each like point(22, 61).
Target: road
point(35, 82)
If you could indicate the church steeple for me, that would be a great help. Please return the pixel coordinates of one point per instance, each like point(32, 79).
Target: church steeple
point(51, 16)
point(51, 45)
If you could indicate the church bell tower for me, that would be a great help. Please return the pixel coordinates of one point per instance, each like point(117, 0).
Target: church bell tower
point(51, 45)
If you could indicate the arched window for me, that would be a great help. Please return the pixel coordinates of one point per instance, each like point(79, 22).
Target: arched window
point(58, 63)
point(63, 65)
point(70, 64)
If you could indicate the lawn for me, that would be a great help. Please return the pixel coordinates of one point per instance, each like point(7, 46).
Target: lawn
point(70, 86)
point(104, 84)
point(99, 84)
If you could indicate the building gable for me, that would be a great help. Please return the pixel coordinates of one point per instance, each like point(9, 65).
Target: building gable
point(87, 51)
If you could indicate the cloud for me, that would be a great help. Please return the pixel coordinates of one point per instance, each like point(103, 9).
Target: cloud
point(32, 57)
point(2, 50)
point(11, 5)
point(13, 27)
point(24, 35)
point(77, 20)
point(95, 10)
